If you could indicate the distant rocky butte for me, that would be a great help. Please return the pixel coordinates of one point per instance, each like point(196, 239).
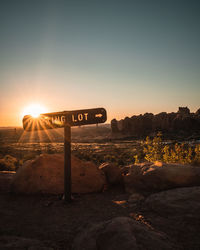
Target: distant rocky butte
point(181, 122)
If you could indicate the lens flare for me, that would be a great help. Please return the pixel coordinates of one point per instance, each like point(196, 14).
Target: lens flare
point(34, 110)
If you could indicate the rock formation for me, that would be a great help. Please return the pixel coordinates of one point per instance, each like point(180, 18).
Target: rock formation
point(182, 122)
point(154, 178)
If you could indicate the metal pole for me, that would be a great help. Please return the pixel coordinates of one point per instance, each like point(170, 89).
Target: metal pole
point(67, 162)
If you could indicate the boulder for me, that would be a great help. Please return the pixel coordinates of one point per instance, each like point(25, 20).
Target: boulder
point(175, 202)
point(120, 233)
point(45, 175)
point(112, 173)
point(159, 177)
point(176, 212)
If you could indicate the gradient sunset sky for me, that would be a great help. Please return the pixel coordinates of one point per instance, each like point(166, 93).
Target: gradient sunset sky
point(129, 57)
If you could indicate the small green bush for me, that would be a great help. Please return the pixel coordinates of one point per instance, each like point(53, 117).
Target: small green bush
point(155, 150)
point(197, 154)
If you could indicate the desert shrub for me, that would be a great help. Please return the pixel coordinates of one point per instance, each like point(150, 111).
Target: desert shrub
point(189, 155)
point(155, 150)
point(179, 153)
point(139, 156)
point(197, 154)
point(167, 153)
point(8, 163)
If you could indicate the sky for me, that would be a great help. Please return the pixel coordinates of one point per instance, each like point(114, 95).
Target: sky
point(129, 57)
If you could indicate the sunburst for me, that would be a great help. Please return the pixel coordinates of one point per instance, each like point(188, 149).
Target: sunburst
point(34, 110)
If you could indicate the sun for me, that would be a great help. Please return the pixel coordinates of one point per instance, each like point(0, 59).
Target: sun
point(34, 110)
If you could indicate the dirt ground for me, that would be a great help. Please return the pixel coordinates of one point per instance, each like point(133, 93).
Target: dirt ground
point(49, 219)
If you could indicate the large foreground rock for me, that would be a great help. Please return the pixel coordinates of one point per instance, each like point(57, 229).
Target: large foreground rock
point(121, 233)
point(178, 201)
point(158, 177)
point(45, 175)
point(176, 212)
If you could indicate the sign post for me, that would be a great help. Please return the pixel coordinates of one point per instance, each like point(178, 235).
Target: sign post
point(67, 162)
point(66, 119)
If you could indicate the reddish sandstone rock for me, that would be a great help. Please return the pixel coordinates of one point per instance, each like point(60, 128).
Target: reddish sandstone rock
point(45, 175)
point(159, 177)
point(121, 233)
point(112, 172)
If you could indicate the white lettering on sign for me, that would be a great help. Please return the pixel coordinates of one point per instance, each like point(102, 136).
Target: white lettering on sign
point(86, 116)
point(73, 119)
point(80, 117)
point(57, 120)
point(98, 115)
